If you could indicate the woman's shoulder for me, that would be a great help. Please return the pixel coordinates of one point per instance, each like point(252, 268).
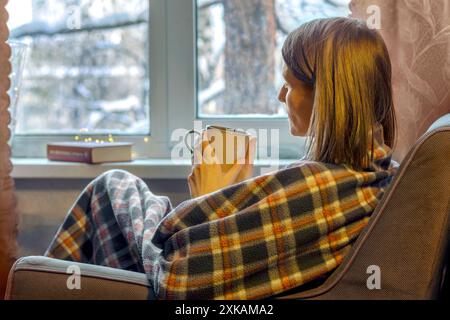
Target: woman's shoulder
point(306, 168)
point(316, 166)
point(302, 162)
point(301, 169)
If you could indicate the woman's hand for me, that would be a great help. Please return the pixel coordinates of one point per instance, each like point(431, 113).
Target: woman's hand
point(209, 174)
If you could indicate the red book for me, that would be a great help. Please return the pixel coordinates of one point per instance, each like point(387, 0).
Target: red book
point(89, 152)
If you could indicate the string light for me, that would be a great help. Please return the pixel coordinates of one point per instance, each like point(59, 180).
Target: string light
point(110, 138)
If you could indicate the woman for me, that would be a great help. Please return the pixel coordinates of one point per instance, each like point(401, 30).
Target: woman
point(265, 235)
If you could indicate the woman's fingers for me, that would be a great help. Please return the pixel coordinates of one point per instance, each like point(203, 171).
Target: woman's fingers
point(193, 183)
point(235, 172)
point(209, 175)
point(251, 151)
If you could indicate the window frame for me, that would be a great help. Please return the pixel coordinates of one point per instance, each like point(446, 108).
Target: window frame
point(173, 94)
point(183, 77)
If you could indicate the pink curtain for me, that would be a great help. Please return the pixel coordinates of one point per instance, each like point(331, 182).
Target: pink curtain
point(8, 218)
point(417, 33)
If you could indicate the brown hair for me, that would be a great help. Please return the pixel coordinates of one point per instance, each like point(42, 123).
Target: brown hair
point(348, 64)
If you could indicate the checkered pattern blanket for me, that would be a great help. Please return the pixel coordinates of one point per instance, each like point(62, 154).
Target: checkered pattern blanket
point(253, 240)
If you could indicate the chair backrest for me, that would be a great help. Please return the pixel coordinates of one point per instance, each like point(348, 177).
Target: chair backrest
point(405, 243)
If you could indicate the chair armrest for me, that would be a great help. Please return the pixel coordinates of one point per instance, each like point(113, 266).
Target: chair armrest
point(42, 278)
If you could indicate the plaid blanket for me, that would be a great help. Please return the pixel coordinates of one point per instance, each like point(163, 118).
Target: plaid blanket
point(253, 240)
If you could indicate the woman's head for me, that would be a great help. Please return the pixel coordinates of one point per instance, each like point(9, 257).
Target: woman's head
point(338, 88)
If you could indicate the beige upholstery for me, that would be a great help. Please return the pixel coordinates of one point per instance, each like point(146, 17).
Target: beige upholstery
point(408, 234)
point(407, 238)
point(44, 278)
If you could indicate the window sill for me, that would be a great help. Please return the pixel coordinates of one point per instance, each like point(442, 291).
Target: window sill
point(41, 168)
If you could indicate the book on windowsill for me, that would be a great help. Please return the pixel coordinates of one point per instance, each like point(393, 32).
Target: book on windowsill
point(89, 152)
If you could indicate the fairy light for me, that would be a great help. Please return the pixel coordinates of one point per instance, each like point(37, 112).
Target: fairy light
point(98, 140)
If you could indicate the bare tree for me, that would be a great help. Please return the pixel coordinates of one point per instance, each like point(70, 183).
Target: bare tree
point(250, 28)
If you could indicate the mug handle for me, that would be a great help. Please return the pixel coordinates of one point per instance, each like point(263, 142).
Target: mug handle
point(186, 139)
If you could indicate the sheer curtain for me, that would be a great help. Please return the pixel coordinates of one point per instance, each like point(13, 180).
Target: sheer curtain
point(8, 218)
point(417, 33)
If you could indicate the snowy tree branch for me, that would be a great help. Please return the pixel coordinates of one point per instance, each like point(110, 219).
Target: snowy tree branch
point(42, 28)
point(207, 4)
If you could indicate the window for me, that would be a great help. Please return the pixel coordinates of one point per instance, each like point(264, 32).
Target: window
point(87, 67)
point(239, 52)
point(138, 70)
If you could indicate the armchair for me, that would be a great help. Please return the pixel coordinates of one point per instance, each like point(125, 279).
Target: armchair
point(406, 240)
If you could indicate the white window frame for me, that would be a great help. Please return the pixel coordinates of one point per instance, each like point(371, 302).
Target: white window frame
point(172, 69)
